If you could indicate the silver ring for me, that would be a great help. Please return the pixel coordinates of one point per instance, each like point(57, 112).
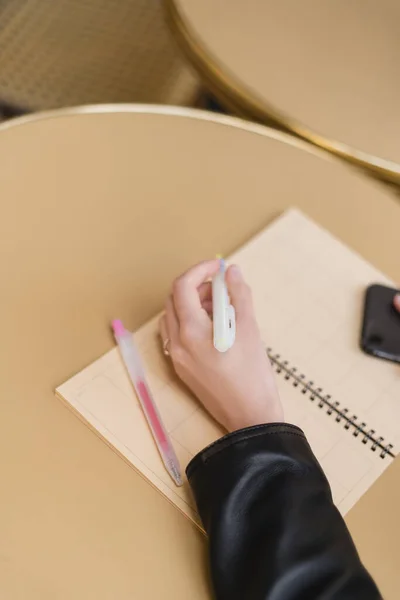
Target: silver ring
point(166, 346)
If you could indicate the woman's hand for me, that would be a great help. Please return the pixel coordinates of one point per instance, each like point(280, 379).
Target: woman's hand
point(236, 387)
point(396, 302)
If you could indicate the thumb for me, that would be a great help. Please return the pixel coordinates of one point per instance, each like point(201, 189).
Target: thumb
point(239, 292)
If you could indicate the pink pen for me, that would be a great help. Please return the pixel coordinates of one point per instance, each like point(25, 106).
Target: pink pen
point(133, 364)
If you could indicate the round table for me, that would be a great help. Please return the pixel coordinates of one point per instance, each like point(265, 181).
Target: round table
point(101, 208)
point(326, 70)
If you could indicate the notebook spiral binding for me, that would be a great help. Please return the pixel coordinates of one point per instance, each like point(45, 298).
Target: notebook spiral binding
point(332, 408)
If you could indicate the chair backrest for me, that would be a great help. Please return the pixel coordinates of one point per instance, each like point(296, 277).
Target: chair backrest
point(70, 52)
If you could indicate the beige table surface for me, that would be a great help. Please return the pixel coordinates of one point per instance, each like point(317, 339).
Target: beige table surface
point(99, 213)
point(327, 69)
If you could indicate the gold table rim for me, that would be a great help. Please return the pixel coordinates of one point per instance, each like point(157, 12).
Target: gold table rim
point(248, 104)
point(195, 114)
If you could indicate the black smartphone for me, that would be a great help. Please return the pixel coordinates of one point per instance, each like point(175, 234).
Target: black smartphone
point(380, 335)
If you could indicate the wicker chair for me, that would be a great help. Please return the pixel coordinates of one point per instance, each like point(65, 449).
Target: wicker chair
point(57, 53)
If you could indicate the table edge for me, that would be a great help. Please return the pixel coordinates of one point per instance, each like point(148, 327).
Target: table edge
point(247, 103)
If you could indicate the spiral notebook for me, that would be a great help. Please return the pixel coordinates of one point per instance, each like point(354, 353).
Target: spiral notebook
point(308, 291)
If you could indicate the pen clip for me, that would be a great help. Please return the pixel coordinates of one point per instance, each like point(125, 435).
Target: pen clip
point(224, 320)
point(231, 317)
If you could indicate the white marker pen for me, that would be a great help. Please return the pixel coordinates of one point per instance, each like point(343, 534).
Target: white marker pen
point(224, 324)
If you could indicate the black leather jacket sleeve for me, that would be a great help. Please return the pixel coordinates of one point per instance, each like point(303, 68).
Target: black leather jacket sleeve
point(274, 532)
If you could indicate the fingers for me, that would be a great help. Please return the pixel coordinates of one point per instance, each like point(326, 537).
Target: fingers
point(163, 329)
point(205, 295)
point(207, 305)
point(205, 292)
point(186, 294)
point(396, 302)
point(239, 293)
point(171, 325)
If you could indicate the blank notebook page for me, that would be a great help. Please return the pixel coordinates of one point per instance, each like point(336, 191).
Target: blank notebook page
point(308, 291)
